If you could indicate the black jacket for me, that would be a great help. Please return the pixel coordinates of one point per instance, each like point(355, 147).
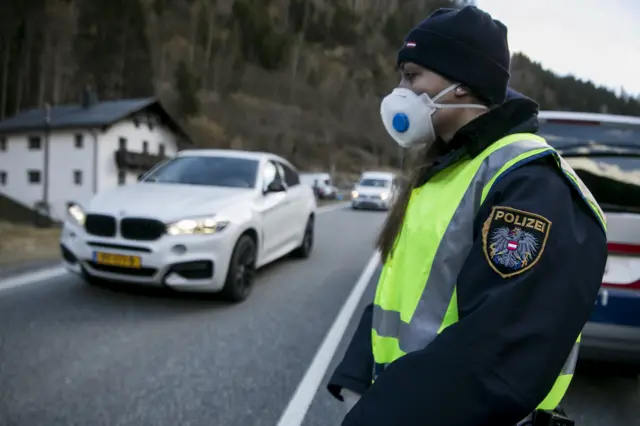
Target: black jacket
point(498, 362)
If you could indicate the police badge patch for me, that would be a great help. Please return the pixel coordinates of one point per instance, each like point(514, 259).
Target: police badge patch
point(513, 240)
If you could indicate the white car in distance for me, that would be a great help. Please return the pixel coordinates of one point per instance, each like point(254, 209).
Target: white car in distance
point(375, 190)
point(205, 220)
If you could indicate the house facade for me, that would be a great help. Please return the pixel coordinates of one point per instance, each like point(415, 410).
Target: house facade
point(50, 157)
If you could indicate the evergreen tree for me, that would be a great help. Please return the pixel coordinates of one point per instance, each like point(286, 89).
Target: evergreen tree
point(112, 48)
point(186, 87)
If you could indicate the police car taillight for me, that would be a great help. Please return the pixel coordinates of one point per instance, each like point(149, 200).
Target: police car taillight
point(624, 249)
point(623, 267)
point(635, 285)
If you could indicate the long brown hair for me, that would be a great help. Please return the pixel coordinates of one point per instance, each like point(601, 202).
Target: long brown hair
point(418, 163)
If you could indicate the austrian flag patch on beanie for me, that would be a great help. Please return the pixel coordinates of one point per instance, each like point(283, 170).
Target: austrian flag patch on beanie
point(464, 45)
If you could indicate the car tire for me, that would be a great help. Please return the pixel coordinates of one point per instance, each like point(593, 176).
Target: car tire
point(242, 270)
point(305, 249)
point(354, 207)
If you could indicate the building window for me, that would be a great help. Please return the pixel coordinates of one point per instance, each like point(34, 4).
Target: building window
point(136, 122)
point(34, 176)
point(77, 177)
point(145, 147)
point(35, 143)
point(3, 143)
point(150, 123)
point(3, 178)
point(79, 140)
point(122, 144)
point(161, 149)
point(122, 177)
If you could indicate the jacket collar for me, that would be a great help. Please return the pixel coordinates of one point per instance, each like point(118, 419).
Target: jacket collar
point(519, 115)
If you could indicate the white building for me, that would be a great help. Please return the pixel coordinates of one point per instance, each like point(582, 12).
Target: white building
point(52, 156)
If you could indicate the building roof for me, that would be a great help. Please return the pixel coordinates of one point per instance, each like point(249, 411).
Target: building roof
point(76, 116)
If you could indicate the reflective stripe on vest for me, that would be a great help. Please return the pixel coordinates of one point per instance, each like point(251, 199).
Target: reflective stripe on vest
point(429, 254)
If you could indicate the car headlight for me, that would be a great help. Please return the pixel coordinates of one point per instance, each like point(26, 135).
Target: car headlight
point(384, 196)
point(76, 214)
point(354, 194)
point(197, 226)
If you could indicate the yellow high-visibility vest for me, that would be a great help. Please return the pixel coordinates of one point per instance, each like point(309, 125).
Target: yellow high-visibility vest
point(416, 293)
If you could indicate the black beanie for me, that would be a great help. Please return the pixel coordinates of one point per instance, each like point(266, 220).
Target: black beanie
point(464, 45)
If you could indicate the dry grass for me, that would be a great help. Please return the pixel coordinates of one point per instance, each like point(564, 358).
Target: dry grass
point(20, 243)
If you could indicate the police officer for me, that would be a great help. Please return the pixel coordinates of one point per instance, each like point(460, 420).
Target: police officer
point(492, 256)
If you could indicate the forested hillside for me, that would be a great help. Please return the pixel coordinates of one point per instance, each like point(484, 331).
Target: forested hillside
point(302, 78)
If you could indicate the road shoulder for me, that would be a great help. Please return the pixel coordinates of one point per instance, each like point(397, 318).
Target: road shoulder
point(27, 266)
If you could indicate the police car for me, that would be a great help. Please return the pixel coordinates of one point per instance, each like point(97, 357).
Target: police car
point(202, 221)
point(605, 152)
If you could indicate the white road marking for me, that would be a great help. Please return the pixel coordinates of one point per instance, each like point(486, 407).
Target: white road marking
point(32, 277)
point(301, 400)
point(58, 271)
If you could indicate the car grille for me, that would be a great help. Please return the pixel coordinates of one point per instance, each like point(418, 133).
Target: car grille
point(142, 272)
point(140, 229)
point(100, 225)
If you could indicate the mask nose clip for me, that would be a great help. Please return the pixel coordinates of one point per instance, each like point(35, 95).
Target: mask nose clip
point(400, 122)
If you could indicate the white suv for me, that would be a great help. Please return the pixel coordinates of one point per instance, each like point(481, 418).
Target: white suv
point(202, 221)
point(375, 190)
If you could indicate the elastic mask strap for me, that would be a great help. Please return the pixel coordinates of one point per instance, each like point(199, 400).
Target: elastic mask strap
point(452, 106)
point(445, 91)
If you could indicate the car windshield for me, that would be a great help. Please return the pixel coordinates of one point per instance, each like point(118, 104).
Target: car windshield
point(607, 159)
point(208, 171)
point(567, 136)
point(376, 183)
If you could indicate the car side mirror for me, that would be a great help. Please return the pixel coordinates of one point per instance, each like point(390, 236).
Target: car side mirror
point(275, 186)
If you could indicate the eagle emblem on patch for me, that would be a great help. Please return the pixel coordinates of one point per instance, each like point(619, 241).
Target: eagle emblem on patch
point(513, 240)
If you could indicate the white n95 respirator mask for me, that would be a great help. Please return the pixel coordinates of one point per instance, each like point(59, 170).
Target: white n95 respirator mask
point(408, 117)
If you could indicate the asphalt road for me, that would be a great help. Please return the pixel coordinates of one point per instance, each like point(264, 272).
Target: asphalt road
point(71, 354)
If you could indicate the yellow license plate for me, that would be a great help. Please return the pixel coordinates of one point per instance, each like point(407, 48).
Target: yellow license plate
point(120, 260)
